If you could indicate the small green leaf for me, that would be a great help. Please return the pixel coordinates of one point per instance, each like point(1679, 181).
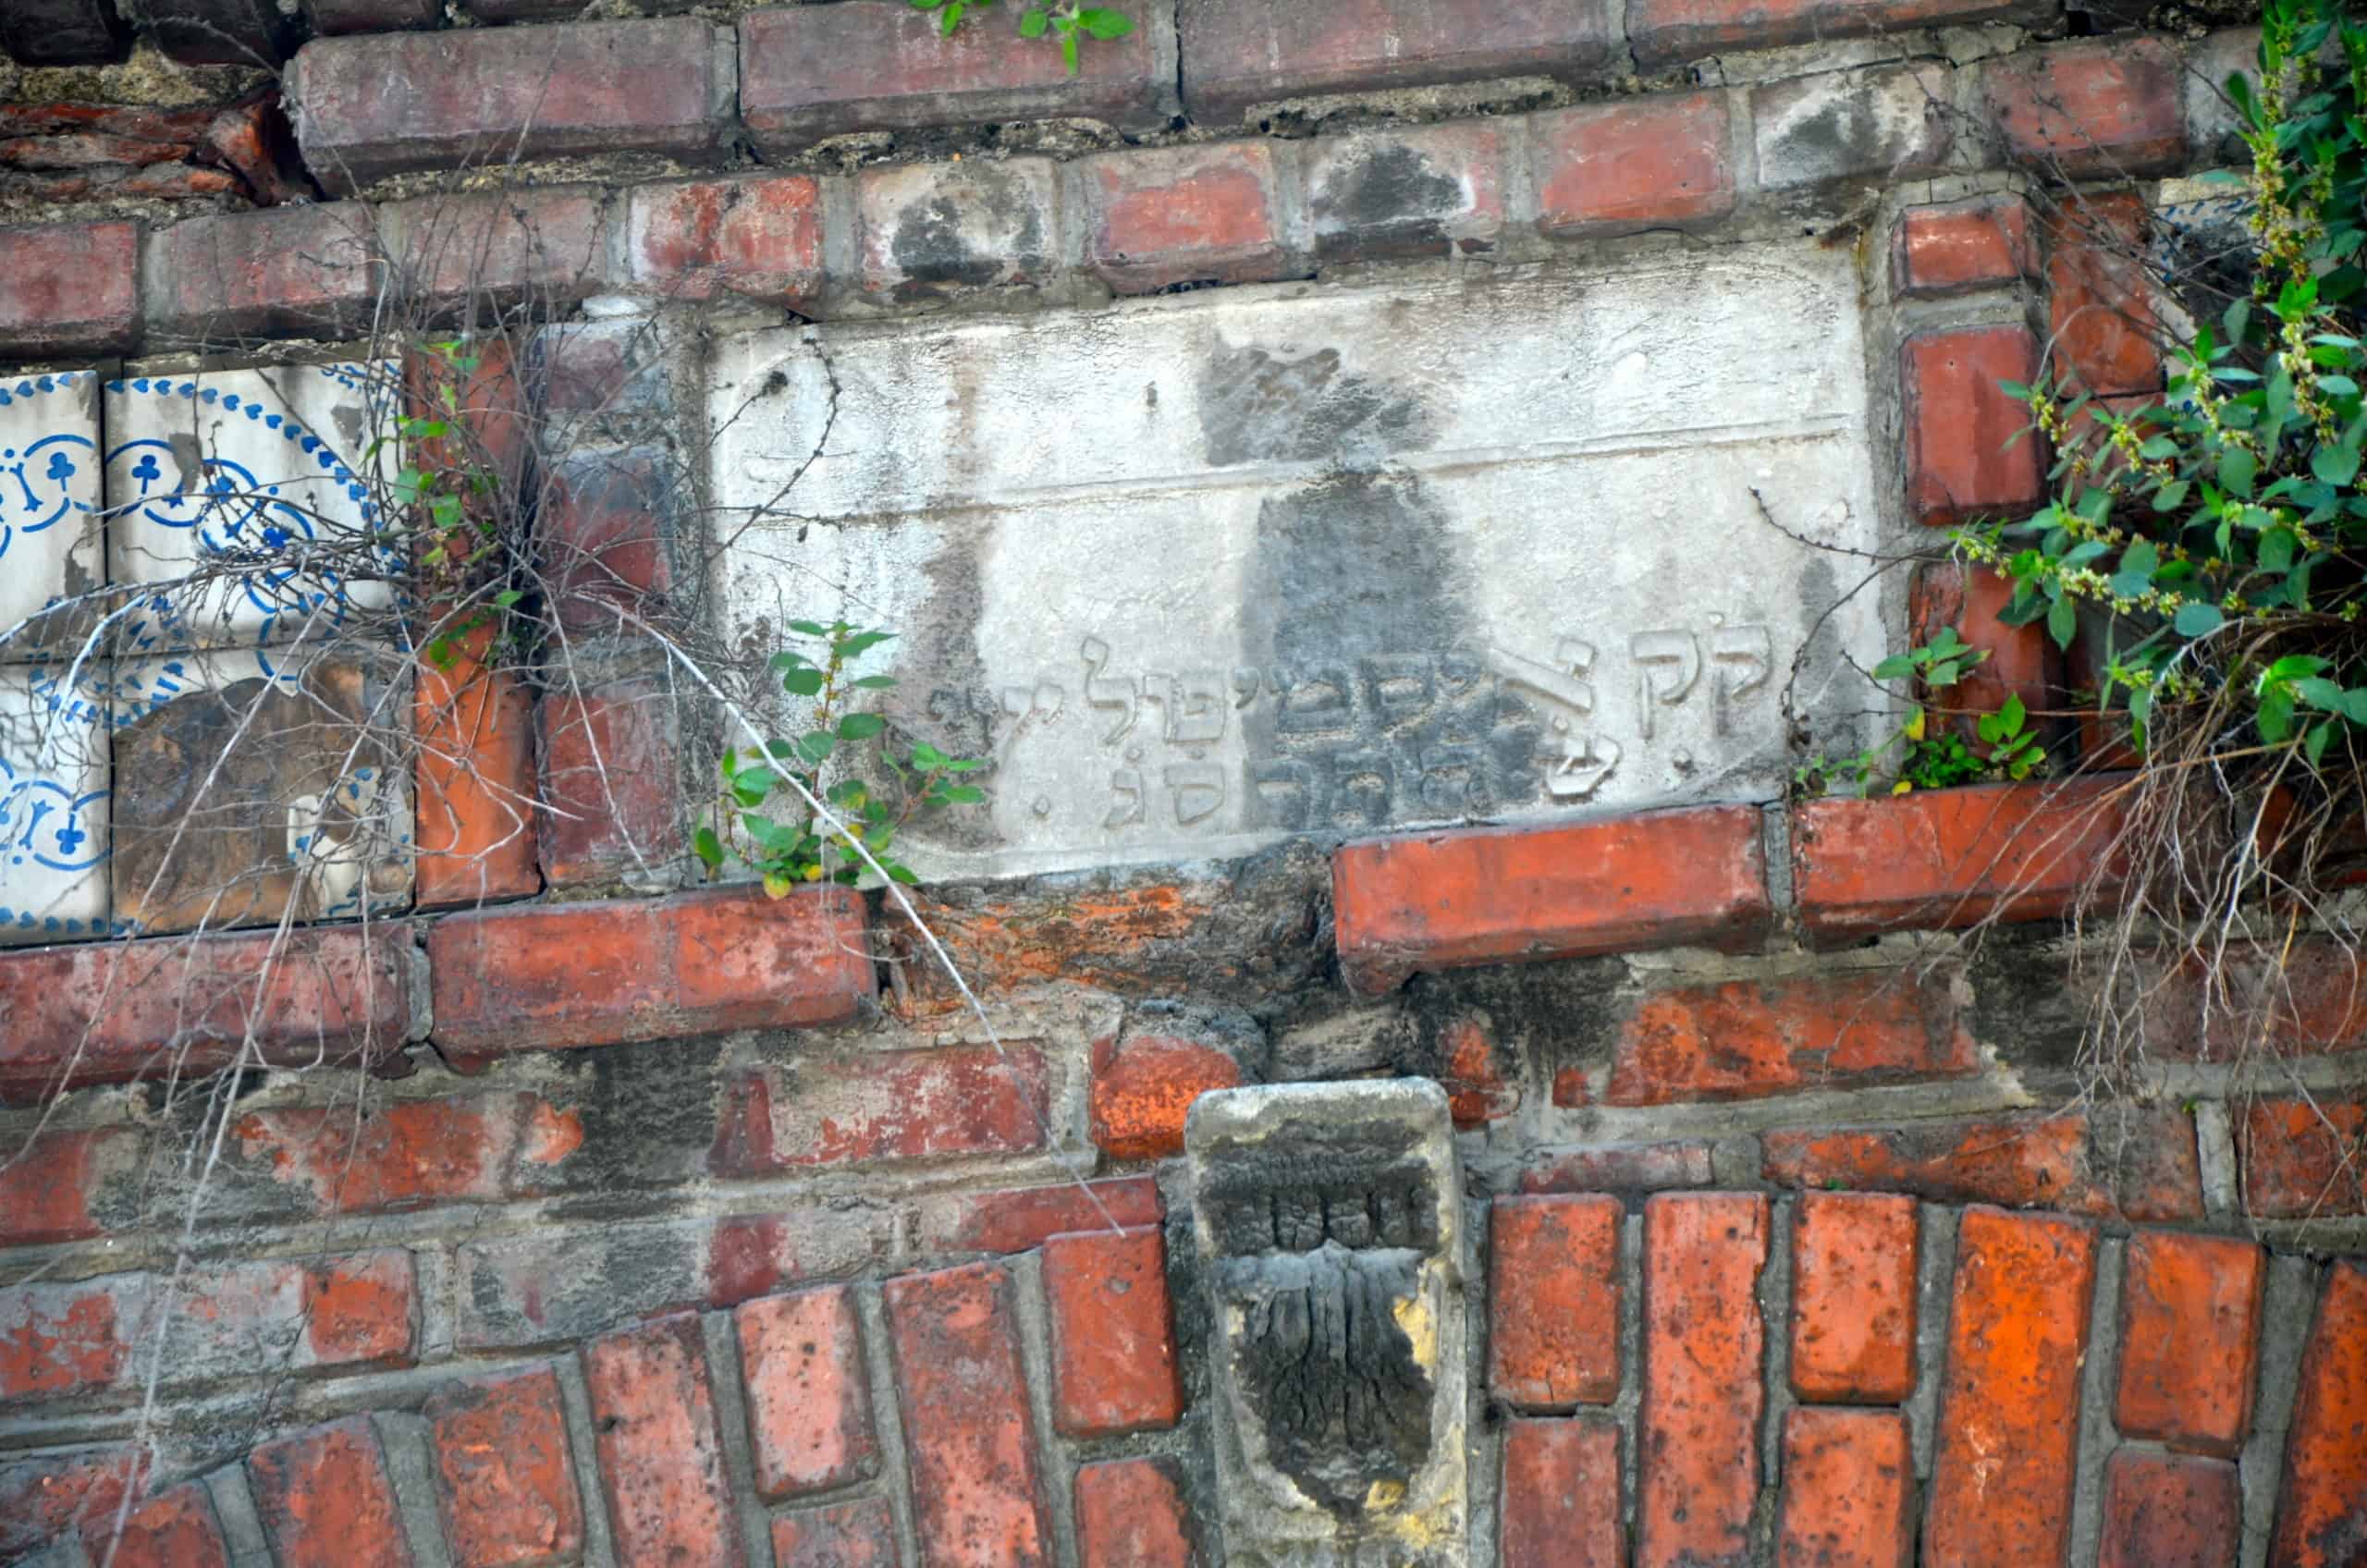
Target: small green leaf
point(862, 641)
point(873, 683)
point(786, 659)
point(860, 726)
point(1105, 23)
point(817, 746)
point(2336, 465)
point(709, 847)
point(814, 628)
point(2238, 469)
point(1895, 668)
point(2320, 692)
point(2315, 747)
point(1032, 24)
point(2062, 621)
point(801, 682)
point(1068, 49)
point(963, 794)
point(2197, 620)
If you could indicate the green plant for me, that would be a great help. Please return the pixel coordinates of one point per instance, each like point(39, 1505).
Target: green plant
point(1937, 761)
point(447, 495)
point(1068, 22)
point(798, 845)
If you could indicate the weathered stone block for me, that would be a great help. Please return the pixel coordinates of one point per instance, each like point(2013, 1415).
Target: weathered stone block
point(70, 288)
point(931, 230)
point(54, 810)
point(64, 32)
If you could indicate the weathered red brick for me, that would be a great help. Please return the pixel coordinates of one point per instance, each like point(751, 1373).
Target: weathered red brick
point(2304, 1155)
point(1901, 121)
point(1450, 900)
point(325, 1499)
point(1185, 215)
point(1746, 1039)
point(605, 525)
point(70, 288)
point(405, 1155)
point(1481, 1074)
point(933, 231)
point(174, 1530)
point(809, 1400)
point(661, 1458)
point(1113, 1336)
point(760, 238)
point(2091, 109)
point(1962, 245)
point(807, 74)
point(1960, 421)
point(1553, 1302)
point(2190, 1312)
point(1022, 1220)
point(475, 779)
point(1665, 31)
point(469, 255)
point(2143, 1166)
point(282, 270)
point(1142, 1089)
point(553, 977)
point(369, 107)
point(1853, 1298)
point(2167, 1512)
point(2009, 1415)
point(976, 1495)
point(1618, 1168)
point(1427, 190)
point(50, 1181)
point(1848, 1491)
point(2023, 660)
point(507, 1486)
point(2099, 306)
point(362, 1309)
point(123, 1010)
point(54, 1494)
point(1130, 1514)
point(1560, 1495)
point(1703, 1340)
point(861, 1533)
point(894, 1105)
point(59, 1340)
point(610, 754)
point(1629, 163)
point(2321, 1511)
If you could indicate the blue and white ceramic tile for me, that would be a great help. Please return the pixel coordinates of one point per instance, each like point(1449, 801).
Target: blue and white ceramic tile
point(246, 468)
point(53, 818)
point(49, 497)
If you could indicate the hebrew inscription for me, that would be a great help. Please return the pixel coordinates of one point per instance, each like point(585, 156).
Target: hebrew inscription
point(1206, 571)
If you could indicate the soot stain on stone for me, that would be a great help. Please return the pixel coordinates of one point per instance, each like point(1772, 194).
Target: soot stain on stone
point(937, 252)
point(930, 248)
point(1257, 408)
point(944, 694)
point(1393, 200)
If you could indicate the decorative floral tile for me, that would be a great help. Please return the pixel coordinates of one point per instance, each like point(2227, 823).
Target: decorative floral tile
point(54, 812)
point(49, 498)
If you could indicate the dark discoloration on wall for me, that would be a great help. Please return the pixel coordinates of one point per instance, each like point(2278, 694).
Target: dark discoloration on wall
point(951, 241)
point(1392, 201)
point(1255, 407)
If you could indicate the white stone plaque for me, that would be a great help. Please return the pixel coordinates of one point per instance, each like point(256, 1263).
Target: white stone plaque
point(1202, 571)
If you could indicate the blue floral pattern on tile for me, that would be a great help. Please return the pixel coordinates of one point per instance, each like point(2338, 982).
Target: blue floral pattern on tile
point(37, 479)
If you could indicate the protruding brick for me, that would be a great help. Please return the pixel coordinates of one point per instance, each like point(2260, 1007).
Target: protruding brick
point(70, 288)
point(64, 32)
point(976, 1496)
point(59, 1340)
point(1156, 217)
point(1871, 126)
point(1746, 1039)
point(50, 1181)
point(1427, 191)
point(878, 65)
point(1612, 1168)
point(890, 1106)
point(176, 1530)
point(1240, 54)
point(1022, 1220)
point(2134, 1162)
point(1853, 1298)
point(2166, 1513)
point(2188, 1321)
point(606, 523)
point(1451, 900)
point(931, 231)
point(861, 1533)
point(1848, 1491)
point(362, 1309)
point(760, 238)
point(470, 254)
point(308, 269)
point(505, 1484)
point(369, 107)
point(1113, 1337)
point(2091, 109)
point(1553, 1302)
point(1964, 245)
point(1480, 1073)
point(1144, 1087)
point(1630, 164)
point(553, 977)
point(1665, 31)
point(2023, 660)
point(809, 1400)
point(2304, 1157)
point(1560, 1495)
point(2099, 308)
point(326, 1498)
point(1130, 1514)
point(2009, 1414)
point(405, 1155)
point(610, 753)
point(1703, 1392)
point(661, 1457)
point(1960, 421)
point(2324, 1504)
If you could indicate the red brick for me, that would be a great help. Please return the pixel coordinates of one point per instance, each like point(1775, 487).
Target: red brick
point(370, 107)
point(2009, 1415)
point(1183, 214)
point(2145, 1168)
point(471, 254)
point(661, 1459)
point(362, 1309)
point(71, 289)
point(1963, 245)
point(2321, 1511)
point(2100, 307)
point(553, 977)
point(283, 270)
point(1703, 1339)
point(1665, 31)
point(1853, 1298)
point(1428, 190)
point(2091, 109)
point(1487, 895)
point(1239, 55)
point(53, 1494)
point(891, 1106)
point(406, 1155)
point(861, 1533)
point(1480, 1076)
point(1618, 1168)
point(1959, 422)
point(2304, 1157)
point(2023, 660)
point(1023, 1219)
point(932, 231)
point(1143, 1088)
point(611, 753)
point(1113, 1337)
point(1553, 1302)
point(1130, 1514)
point(2166, 1513)
point(976, 1496)
point(1848, 1491)
point(760, 238)
point(123, 1010)
point(1560, 1495)
point(1953, 858)
point(2190, 1312)
point(48, 1182)
point(879, 64)
point(176, 1530)
point(1746, 1039)
point(605, 527)
point(507, 1485)
point(1631, 164)
point(809, 1401)
point(59, 1340)
point(475, 780)
point(325, 1499)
